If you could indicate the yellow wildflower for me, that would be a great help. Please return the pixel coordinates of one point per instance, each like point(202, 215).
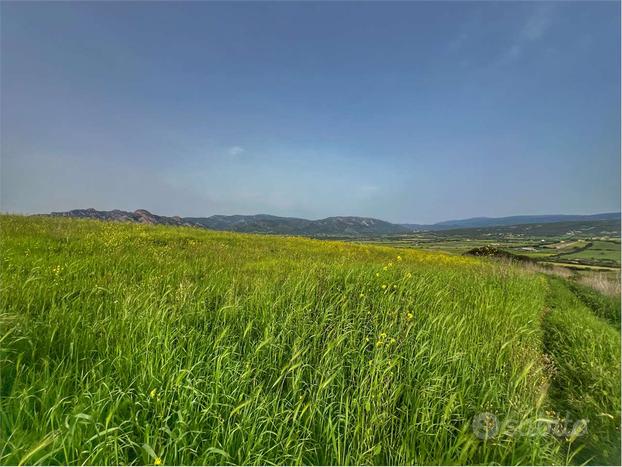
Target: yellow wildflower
point(152, 393)
point(399, 258)
point(384, 286)
point(379, 344)
point(384, 268)
point(383, 335)
point(409, 316)
point(157, 461)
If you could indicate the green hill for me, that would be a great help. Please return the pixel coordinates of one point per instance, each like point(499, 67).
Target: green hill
point(141, 344)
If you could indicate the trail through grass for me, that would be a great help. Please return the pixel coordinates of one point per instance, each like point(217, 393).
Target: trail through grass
point(586, 353)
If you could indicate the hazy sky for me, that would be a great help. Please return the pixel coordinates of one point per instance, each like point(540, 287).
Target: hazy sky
point(409, 112)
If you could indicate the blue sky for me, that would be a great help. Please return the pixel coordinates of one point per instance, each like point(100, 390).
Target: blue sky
point(409, 112)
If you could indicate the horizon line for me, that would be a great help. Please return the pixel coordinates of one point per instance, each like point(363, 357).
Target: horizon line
point(313, 220)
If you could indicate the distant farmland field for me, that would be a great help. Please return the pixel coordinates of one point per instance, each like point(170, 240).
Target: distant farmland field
point(598, 249)
point(135, 344)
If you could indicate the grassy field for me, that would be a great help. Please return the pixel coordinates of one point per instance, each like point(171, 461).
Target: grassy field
point(598, 249)
point(134, 344)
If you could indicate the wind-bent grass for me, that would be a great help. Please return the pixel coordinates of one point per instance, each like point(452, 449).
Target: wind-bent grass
point(126, 344)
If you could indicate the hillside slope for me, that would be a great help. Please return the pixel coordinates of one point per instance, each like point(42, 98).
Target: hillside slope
point(142, 344)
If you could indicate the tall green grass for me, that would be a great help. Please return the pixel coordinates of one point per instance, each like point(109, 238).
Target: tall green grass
point(585, 349)
point(128, 344)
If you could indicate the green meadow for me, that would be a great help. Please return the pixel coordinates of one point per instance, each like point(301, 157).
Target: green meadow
point(138, 344)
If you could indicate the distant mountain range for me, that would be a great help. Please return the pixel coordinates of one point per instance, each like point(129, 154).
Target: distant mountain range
point(481, 222)
point(260, 223)
point(348, 226)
